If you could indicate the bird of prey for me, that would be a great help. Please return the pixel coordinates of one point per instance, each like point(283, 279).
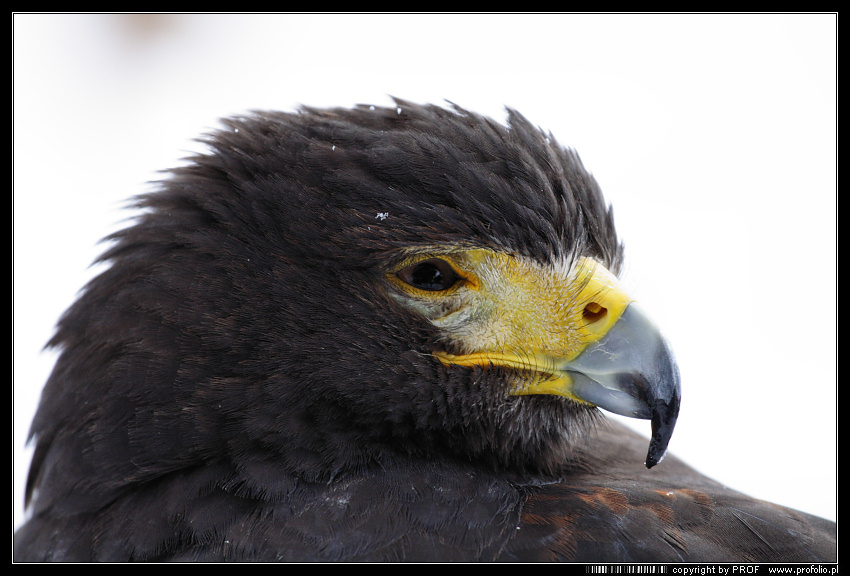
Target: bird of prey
point(374, 334)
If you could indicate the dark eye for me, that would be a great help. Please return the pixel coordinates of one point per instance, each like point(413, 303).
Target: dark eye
point(432, 275)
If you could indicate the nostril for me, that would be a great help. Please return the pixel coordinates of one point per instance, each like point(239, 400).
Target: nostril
point(593, 312)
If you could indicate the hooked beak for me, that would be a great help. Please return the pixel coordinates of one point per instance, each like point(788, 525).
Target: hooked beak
point(631, 371)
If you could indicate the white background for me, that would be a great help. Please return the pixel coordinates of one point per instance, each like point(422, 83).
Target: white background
point(714, 136)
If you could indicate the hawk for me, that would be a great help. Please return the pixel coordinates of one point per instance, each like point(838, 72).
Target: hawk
point(374, 334)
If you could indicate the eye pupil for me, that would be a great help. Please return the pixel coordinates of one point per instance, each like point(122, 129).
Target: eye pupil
point(432, 275)
point(428, 277)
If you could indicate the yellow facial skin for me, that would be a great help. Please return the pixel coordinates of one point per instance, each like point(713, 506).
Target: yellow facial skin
point(513, 312)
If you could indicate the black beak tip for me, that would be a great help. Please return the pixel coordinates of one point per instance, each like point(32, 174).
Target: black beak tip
point(664, 416)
